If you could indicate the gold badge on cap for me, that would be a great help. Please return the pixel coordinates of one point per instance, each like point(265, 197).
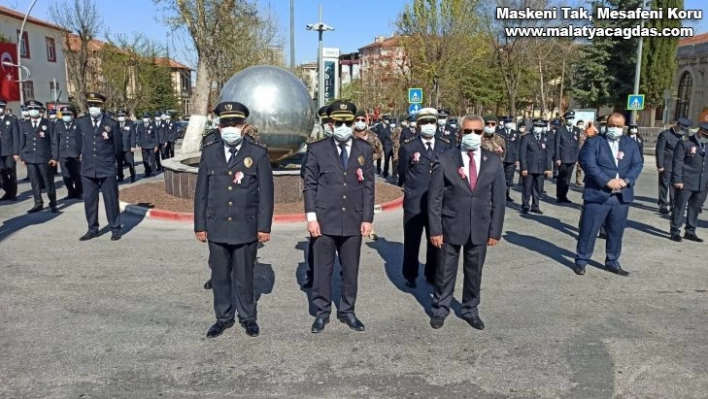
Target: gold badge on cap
point(342, 106)
point(361, 160)
point(228, 107)
point(248, 162)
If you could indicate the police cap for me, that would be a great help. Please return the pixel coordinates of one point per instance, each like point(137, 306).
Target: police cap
point(442, 113)
point(569, 115)
point(360, 114)
point(342, 111)
point(539, 122)
point(2, 102)
point(507, 119)
point(685, 122)
point(633, 124)
point(122, 112)
point(704, 127)
point(323, 111)
point(67, 110)
point(555, 122)
point(52, 112)
point(146, 114)
point(157, 113)
point(33, 104)
point(95, 98)
point(427, 114)
point(231, 110)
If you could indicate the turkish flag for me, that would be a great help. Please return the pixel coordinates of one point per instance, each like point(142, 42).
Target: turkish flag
point(9, 86)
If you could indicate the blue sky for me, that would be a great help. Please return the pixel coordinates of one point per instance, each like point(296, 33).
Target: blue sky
point(356, 22)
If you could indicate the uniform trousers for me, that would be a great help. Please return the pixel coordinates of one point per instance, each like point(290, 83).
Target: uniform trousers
point(693, 200)
point(149, 160)
point(232, 270)
point(666, 190)
point(509, 169)
point(158, 161)
point(565, 171)
point(8, 175)
point(168, 150)
point(413, 225)
point(109, 188)
point(325, 249)
point(613, 214)
point(311, 258)
point(386, 158)
point(42, 177)
point(71, 174)
point(126, 158)
point(533, 187)
point(473, 257)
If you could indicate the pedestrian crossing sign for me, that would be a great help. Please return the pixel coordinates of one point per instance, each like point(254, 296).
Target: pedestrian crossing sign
point(415, 96)
point(635, 102)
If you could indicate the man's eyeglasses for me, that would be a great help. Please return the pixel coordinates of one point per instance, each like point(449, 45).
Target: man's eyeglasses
point(426, 122)
point(342, 123)
point(360, 120)
point(475, 131)
point(490, 123)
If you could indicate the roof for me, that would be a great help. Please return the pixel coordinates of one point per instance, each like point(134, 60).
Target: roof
point(21, 16)
point(75, 43)
point(697, 39)
point(309, 65)
point(168, 62)
point(388, 42)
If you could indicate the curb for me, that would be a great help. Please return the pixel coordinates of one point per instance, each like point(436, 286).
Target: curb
point(188, 217)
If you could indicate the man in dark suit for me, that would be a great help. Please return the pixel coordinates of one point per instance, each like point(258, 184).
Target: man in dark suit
point(233, 212)
point(511, 155)
point(39, 150)
point(408, 131)
point(146, 132)
point(70, 153)
point(101, 146)
point(9, 153)
point(128, 134)
point(567, 147)
point(612, 166)
point(339, 203)
point(383, 130)
point(415, 160)
point(535, 162)
point(466, 211)
point(160, 140)
point(444, 130)
point(689, 176)
point(665, 145)
point(169, 132)
point(633, 132)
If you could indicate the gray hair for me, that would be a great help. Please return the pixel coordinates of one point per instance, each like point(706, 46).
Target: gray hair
point(472, 118)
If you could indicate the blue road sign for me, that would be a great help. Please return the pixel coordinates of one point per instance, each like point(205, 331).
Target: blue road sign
point(415, 96)
point(635, 102)
point(414, 108)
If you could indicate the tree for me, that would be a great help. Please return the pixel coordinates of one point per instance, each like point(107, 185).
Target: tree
point(82, 19)
point(163, 92)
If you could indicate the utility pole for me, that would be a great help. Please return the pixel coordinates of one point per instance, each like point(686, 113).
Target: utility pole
point(320, 27)
point(292, 36)
point(638, 67)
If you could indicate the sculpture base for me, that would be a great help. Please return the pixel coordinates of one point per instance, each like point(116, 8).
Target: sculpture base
point(181, 179)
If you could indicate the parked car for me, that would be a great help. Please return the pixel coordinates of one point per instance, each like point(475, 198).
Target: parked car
point(181, 128)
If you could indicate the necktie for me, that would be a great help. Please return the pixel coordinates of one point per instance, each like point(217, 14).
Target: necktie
point(232, 160)
point(430, 149)
point(95, 124)
point(343, 156)
point(34, 125)
point(472, 171)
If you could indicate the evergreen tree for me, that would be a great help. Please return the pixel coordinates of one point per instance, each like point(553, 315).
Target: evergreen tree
point(163, 92)
point(659, 56)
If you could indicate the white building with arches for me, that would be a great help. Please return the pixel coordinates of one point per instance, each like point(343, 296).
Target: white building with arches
point(691, 82)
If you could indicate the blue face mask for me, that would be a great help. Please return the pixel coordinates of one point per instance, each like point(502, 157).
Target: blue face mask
point(471, 142)
point(231, 135)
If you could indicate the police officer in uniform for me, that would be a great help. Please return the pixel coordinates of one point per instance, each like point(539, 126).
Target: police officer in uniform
point(535, 158)
point(511, 153)
point(160, 140)
point(146, 138)
point(70, 153)
point(633, 132)
point(410, 130)
point(416, 158)
point(233, 212)
point(39, 151)
point(444, 130)
point(689, 176)
point(101, 146)
point(339, 203)
point(170, 134)
point(127, 131)
point(665, 146)
point(383, 130)
point(9, 153)
point(565, 156)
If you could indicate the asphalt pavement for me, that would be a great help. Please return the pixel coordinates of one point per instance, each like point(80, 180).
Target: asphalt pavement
point(128, 319)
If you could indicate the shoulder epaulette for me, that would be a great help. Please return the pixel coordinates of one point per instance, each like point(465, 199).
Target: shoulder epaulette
point(206, 144)
point(685, 138)
point(319, 139)
point(499, 135)
point(258, 144)
point(444, 140)
point(408, 140)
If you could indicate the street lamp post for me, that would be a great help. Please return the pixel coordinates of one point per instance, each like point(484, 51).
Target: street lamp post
point(19, 52)
point(320, 27)
point(638, 68)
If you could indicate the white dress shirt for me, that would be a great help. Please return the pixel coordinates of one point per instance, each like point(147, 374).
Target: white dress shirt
point(614, 146)
point(466, 161)
point(227, 151)
point(428, 140)
point(312, 216)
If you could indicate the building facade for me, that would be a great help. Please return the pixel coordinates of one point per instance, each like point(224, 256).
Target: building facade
point(41, 53)
point(691, 83)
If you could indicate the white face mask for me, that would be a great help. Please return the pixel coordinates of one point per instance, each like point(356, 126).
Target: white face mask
point(167, 118)
point(52, 117)
point(327, 128)
point(34, 113)
point(522, 129)
point(442, 122)
point(471, 142)
point(613, 133)
point(633, 131)
point(428, 130)
point(414, 124)
point(393, 124)
point(25, 113)
point(569, 122)
point(581, 126)
point(508, 126)
point(2, 110)
point(157, 119)
point(121, 119)
point(231, 135)
point(94, 111)
point(67, 118)
point(342, 133)
point(537, 129)
point(360, 125)
point(453, 124)
point(146, 120)
point(489, 130)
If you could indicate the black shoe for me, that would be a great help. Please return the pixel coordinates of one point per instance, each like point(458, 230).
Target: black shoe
point(524, 210)
point(602, 236)
point(89, 235)
point(692, 237)
point(579, 270)
point(411, 284)
point(207, 285)
point(475, 322)
point(437, 322)
point(120, 180)
point(536, 210)
point(36, 209)
point(509, 199)
point(676, 237)
point(618, 271)
point(308, 283)
point(218, 328)
point(430, 281)
point(132, 179)
point(352, 322)
point(8, 198)
point(251, 328)
point(54, 209)
point(115, 236)
point(319, 324)
point(663, 211)
point(564, 201)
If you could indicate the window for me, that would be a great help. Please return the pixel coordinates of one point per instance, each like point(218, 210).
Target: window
point(24, 44)
point(684, 96)
point(51, 50)
point(28, 90)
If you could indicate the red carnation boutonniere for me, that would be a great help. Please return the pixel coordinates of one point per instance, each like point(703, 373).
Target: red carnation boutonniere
point(359, 175)
point(238, 177)
point(41, 134)
point(416, 157)
point(620, 155)
point(693, 150)
point(543, 146)
point(461, 172)
point(104, 135)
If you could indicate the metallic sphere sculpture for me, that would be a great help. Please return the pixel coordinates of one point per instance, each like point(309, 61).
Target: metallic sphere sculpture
point(280, 106)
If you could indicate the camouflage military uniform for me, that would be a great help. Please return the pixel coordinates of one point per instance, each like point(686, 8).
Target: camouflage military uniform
point(372, 139)
point(396, 138)
point(495, 144)
point(587, 133)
